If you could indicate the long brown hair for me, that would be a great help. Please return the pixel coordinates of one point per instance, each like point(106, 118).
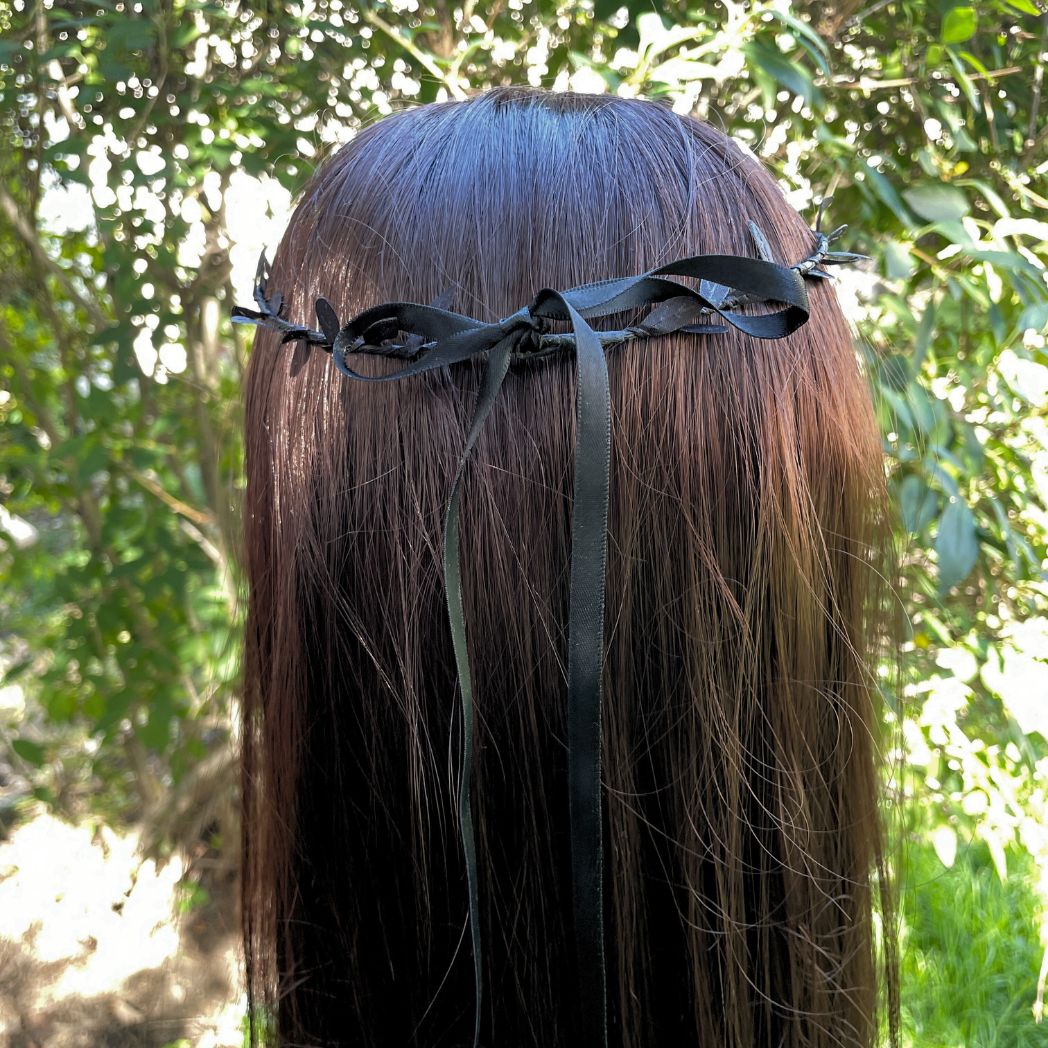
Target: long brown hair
point(743, 846)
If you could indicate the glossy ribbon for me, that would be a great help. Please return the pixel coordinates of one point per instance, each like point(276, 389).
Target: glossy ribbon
point(449, 338)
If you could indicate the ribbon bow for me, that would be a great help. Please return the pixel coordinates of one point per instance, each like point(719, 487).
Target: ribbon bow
point(440, 338)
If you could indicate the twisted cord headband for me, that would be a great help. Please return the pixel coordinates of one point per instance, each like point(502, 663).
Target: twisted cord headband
point(438, 338)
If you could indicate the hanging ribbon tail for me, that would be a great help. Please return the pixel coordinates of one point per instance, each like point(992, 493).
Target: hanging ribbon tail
point(589, 524)
point(494, 374)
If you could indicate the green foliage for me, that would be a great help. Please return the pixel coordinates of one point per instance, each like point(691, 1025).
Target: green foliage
point(264, 1028)
point(192, 895)
point(119, 416)
point(967, 941)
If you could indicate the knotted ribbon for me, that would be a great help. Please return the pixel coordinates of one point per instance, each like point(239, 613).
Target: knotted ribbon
point(442, 338)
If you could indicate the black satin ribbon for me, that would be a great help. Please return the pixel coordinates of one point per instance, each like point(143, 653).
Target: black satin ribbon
point(451, 338)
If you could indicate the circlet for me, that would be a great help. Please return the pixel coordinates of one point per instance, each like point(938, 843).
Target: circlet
point(680, 312)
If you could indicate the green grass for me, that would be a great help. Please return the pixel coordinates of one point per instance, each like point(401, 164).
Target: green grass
point(970, 953)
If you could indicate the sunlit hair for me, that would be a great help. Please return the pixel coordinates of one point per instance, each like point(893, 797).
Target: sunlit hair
point(743, 846)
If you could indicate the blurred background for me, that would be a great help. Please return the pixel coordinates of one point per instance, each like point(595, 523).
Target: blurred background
point(152, 148)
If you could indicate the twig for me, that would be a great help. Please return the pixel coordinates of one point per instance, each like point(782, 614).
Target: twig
point(1035, 101)
point(419, 55)
point(864, 84)
point(65, 103)
point(195, 515)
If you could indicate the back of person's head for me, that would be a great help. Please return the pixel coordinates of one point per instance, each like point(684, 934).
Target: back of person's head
point(741, 833)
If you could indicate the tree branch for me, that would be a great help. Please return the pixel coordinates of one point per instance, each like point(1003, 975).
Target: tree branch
point(31, 239)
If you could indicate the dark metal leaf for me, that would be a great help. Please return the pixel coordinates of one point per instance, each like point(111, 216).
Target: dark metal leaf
point(380, 331)
point(445, 298)
point(413, 342)
point(823, 204)
point(328, 320)
point(672, 315)
point(842, 258)
point(262, 269)
point(761, 241)
point(715, 293)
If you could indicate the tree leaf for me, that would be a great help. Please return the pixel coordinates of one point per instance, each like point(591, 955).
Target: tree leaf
point(31, 752)
point(924, 335)
point(886, 193)
point(937, 202)
point(917, 503)
point(956, 544)
point(959, 25)
point(791, 75)
point(898, 262)
point(895, 371)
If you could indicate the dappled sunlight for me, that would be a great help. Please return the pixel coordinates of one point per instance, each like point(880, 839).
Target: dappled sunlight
point(94, 941)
